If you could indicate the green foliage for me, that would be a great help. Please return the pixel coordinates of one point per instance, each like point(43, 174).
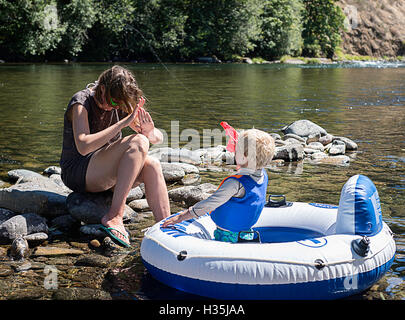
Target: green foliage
point(29, 27)
point(78, 16)
point(281, 28)
point(221, 27)
point(323, 21)
point(179, 30)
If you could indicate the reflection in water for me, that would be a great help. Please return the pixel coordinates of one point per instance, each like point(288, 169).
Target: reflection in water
point(364, 104)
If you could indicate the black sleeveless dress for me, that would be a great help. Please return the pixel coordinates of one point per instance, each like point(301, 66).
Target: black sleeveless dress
point(73, 164)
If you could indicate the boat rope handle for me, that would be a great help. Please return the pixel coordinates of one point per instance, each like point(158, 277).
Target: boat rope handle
point(312, 264)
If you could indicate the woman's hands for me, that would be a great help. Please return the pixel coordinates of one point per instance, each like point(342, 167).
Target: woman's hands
point(130, 119)
point(184, 215)
point(146, 125)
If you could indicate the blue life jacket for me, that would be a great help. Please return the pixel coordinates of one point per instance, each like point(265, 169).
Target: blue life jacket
point(239, 214)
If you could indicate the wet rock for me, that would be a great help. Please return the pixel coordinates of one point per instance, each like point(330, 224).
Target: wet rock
point(304, 128)
point(275, 136)
point(172, 172)
point(310, 151)
point(52, 170)
point(317, 146)
point(290, 152)
point(23, 225)
point(95, 243)
point(93, 260)
point(318, 156)
point(294, 141)
point(5, 271)
point(92, 230)
point(57, 179)
point(213, 155)
point(176, 155)
point(91, 207)
point(190, 195)
point(37, 237)
point(139, 205)
point(6, 214)
point(325, 140)
point(55, 251)
point(340, 160)
point(350, 144)
point(80, 294)
point(65, 222)
point(23, 175)
point(188, 168)
point(313, 138)
point(295, 137)
point(42, 197)
point(190, 179)
point(135, 194)
point(337, 148)
point(19, 248)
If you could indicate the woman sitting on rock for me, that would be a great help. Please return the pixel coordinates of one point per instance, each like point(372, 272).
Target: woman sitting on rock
point(95, 157)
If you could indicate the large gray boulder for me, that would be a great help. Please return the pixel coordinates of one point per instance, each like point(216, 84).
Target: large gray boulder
point(42, 196)
point(304, 128)
point(23, 225)
point(91, 207)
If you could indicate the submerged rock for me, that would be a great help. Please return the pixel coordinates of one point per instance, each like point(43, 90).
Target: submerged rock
point(19, 248)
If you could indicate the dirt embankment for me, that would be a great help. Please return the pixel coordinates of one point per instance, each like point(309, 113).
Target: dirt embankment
point(374, 28)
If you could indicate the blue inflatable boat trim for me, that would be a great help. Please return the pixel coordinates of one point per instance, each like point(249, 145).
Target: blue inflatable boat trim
point(317, 290)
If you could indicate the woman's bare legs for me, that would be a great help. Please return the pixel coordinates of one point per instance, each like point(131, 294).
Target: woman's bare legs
point(155, 188)
point(121, 165)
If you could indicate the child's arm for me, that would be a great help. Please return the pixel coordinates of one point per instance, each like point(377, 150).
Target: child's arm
point(230, 188)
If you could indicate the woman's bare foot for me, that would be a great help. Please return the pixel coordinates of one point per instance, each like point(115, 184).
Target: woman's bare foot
point(118, 225)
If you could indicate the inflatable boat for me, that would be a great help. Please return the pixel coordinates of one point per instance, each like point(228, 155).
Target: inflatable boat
point(300, 250)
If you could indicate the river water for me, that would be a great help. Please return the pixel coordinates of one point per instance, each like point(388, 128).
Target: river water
point(365, 102)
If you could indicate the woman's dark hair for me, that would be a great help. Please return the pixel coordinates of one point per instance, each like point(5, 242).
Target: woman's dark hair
point(120, 85)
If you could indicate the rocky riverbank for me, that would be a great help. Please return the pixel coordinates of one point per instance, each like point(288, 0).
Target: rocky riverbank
point(51, 247)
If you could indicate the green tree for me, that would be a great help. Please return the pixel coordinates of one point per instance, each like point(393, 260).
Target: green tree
point(29, 28)
point(281, 28)
point(77, 16)
point(323, 21)
point(221, 27)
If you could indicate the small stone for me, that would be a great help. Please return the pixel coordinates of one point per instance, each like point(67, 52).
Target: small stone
point(135, 194)
point(340, 160)
point(95, 243)
point(52, 170)
point(139, 205)
point(350, 144)
point(325, 140)
point(317, 146)
point(337, 148)
point(290, 152)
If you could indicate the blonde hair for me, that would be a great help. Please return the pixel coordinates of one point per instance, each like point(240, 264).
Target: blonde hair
point(258, 146)
point(120, 85)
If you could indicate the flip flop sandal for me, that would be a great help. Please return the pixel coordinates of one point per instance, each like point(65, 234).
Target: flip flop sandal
point(108, 231)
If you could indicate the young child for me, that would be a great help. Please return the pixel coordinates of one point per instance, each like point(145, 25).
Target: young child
point(237, 203)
